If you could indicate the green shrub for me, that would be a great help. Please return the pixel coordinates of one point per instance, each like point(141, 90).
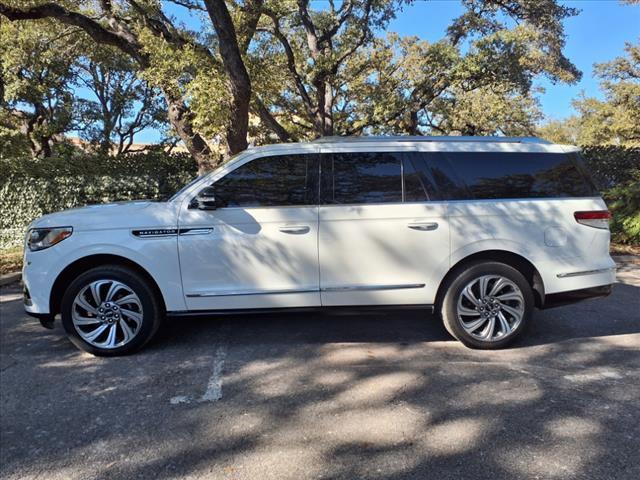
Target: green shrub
point(617, 171)
point(31, 188)
point(624, 203)
point(611, 165)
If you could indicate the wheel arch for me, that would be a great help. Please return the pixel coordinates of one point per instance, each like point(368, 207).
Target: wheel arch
point(81, 265)
point(515, 260)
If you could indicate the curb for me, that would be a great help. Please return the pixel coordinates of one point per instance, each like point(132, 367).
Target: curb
point(8, 278)
point(634, 259)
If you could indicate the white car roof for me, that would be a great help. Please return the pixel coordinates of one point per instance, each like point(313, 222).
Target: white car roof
point(432, 143)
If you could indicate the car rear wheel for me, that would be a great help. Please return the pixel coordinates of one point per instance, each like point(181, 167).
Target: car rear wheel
point(487, 305)
point(110, 311)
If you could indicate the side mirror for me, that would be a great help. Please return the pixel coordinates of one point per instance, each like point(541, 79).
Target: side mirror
point(205, 200)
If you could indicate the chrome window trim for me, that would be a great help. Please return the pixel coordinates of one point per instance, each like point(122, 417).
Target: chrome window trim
point(313, 205)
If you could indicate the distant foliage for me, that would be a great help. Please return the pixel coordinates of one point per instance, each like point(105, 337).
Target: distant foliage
point(31, 188)
point(624, 203)
point(617, 169)
point(613, 165)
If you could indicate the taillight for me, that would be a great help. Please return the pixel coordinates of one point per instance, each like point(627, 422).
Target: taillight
point(593, 218)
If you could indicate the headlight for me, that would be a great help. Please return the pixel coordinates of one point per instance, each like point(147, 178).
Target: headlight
point(41, 238)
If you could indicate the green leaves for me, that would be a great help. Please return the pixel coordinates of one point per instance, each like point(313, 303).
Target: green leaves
point(31, 188)
point(37, 72)
point(614, 120)
point(319, 69)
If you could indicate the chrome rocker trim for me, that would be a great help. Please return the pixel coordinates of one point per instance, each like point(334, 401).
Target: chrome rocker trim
point(346, 288)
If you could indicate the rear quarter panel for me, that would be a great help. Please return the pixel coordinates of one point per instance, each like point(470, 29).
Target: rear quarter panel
point(543, 231)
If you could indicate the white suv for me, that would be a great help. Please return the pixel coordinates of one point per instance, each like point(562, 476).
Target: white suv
point(482, 230)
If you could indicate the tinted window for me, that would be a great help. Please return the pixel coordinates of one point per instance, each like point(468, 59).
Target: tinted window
point(435, 175)
point(355, 177)
point(270, 181)
point(415, 184)
point(520, 175)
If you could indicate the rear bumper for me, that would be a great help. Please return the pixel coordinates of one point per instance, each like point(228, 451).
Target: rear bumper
point(573, 296)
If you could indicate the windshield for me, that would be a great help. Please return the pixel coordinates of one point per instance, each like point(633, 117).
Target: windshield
point(168, 198)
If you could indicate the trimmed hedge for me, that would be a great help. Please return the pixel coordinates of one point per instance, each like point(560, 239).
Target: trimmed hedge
point(31, 188)
point(28, 189)
point(611, 165)
point(617, 170)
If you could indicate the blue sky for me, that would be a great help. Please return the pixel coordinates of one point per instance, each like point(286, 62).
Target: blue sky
point(597, 34)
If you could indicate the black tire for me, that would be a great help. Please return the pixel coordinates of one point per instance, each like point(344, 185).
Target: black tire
point(152, 312)
point(453, 292)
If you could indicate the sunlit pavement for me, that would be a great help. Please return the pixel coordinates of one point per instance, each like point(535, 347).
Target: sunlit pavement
point(317, 396)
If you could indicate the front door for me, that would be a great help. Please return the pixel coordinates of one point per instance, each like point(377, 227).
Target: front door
point(258, 248)
point(381, 242)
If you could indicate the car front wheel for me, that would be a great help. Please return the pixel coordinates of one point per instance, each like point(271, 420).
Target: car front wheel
point(110, 311)
point(487, 305)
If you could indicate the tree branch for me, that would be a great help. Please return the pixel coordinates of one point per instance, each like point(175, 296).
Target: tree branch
point(291, 62)
point(237, 72)
point(96, 31)
point(271, 122)
point(307, 23)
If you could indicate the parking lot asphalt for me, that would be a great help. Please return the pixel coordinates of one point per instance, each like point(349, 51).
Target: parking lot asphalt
point(328, 396)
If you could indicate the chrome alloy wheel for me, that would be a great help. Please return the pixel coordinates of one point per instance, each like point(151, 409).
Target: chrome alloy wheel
point(490, 308)
point(107, 314)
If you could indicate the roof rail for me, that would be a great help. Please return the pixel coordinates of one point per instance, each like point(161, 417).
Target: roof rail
point(435, 138)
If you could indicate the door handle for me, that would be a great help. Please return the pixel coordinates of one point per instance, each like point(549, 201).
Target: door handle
point(295, 229)
point(425, 227)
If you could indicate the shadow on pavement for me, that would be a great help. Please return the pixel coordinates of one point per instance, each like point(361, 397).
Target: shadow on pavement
point(329, 396)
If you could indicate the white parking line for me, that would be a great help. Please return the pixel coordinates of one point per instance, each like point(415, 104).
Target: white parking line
point(593, 376)
point(213, 392)
point(214, 387)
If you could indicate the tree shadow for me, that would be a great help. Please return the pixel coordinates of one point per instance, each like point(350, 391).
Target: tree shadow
point(365, 395)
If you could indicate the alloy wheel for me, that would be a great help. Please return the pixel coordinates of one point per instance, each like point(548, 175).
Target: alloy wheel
point(107, 314)
point(490, 308)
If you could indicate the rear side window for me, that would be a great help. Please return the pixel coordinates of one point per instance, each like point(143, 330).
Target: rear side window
point(433, 172)
point(286, 180)
point(495, 175)
point(361, 177)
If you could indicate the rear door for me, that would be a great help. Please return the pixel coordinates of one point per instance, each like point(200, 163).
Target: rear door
point(380, 238)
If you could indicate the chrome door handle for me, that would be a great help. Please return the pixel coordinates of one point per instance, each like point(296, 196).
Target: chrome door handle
point(425, 227)
point(295, 229)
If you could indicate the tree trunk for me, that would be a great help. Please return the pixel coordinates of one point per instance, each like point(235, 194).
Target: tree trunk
point(180, 118)
point(239, 80)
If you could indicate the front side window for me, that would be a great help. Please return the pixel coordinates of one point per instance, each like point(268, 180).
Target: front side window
point(284, 180)
point(361, 178)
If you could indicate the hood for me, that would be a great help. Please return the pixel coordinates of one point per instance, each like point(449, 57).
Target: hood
point(136, 214)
